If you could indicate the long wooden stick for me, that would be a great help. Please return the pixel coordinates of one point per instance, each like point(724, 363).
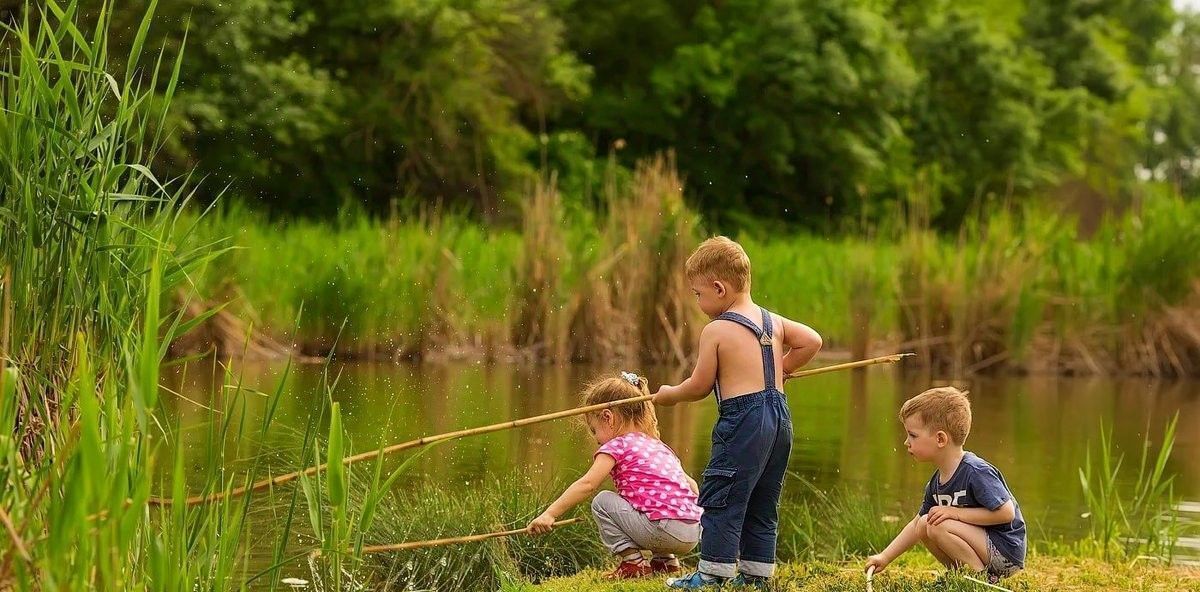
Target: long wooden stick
point(848, 365)
point(456, 540)
point(983, 583)
point(496, 427)
point(281, 479)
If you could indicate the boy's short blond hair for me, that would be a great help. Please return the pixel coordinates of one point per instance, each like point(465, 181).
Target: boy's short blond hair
point(943, 408)
point(720, 258)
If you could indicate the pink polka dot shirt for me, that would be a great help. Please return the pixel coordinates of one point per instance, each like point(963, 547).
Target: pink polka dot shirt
point(649, 476)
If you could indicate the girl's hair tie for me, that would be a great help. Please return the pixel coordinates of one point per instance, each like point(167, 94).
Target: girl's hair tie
point(631, 377)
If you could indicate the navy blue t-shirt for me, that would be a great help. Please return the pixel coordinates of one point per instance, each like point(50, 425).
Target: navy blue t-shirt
point(977, 484)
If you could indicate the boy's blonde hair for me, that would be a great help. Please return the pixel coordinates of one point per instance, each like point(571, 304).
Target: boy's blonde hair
point(943, 408)
point(614, 388)
point(720, 258)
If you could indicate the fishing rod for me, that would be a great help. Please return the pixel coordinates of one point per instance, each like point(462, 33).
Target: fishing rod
point(496, 427)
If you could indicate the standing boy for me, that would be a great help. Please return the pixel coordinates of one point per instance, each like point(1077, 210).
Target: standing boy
point(745, 352)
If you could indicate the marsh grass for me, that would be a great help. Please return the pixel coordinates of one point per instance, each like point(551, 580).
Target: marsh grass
point(428, 512)
point(1015, 291)
point(835, 524)
point(91, 242)
point(428, 282)
point(816, 526)
point(1024, 292)
point(636, 304)
point(1144, 523)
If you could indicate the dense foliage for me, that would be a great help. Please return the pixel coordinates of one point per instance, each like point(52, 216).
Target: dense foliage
point(808, 111)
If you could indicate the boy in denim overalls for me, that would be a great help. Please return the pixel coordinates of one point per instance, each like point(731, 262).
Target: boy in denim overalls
point(743, 361)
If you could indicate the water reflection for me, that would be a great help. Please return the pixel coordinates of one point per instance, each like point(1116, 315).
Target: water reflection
point(1037, 430)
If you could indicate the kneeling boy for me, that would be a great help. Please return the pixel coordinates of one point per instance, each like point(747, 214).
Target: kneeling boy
point(969, 517)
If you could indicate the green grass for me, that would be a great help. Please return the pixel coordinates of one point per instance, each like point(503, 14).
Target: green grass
point(399, 287)
point(823, 537)
point(822, 281)
point(569, 287)
point(1020, 291)
point(90, 242)
point(919, 572)
point(817, 525)
point(1143, 523)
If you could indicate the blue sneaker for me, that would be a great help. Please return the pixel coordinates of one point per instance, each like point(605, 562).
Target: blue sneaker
point(745, 581)
point(697, 581)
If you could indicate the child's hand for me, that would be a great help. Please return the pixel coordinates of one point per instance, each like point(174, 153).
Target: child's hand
point(543, 524)
point(663, 396)
point(878, 562)
point(939, 514)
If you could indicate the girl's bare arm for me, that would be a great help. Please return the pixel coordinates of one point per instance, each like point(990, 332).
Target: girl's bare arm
point(575, 493)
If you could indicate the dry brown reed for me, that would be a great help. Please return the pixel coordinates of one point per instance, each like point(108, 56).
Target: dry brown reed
point(628, 297)
point(638, 303)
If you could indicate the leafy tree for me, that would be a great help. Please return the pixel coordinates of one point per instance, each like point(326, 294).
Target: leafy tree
point(1173, 130)
point(444, 97)
point(798, 112)
point(306, 105)
point(776, 108)
point(982, 113)
point(1105, 49)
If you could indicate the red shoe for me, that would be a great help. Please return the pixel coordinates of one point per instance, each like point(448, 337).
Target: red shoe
point(668, 567)
point(629, 570)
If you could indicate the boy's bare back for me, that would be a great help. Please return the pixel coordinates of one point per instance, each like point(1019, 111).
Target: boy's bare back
point(739, 354)
point(718, 273)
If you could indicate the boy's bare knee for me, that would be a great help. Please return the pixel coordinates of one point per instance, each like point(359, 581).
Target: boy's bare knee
point(943, 529)
point(923, 527)
point(937, 531)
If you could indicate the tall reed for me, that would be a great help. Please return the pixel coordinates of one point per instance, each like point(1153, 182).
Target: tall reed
point(90, 244)
point(1143, 523)
point(636, 303)
point(608, 284)
point(544, 305)
point(1021, 290)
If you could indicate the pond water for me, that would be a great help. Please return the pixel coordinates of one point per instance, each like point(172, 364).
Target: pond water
point(1036, 430)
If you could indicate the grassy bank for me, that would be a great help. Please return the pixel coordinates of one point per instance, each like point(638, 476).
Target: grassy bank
point(821, 548)
point(823, 534)
point(1021, 292)
point(921, 572)
point(823, 538)
point(572, 284)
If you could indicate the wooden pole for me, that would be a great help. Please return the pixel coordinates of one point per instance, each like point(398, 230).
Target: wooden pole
point(849, 365)
point(983, 583)
point(281, 479)
point(496, 427)
point(456, 540)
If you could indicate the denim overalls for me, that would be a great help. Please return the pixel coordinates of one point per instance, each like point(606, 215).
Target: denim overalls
point(751, 443)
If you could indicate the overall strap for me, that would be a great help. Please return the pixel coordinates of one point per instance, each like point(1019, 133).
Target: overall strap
point(764, 339)
point(768, 349)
